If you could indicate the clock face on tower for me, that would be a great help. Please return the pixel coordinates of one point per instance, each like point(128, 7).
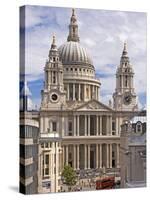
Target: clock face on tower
point(127, 98)
point(54, 97)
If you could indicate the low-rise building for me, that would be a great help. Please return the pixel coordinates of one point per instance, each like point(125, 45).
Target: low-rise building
point(133, 152)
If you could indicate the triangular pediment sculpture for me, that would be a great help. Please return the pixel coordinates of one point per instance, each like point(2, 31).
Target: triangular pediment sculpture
point(93, 105)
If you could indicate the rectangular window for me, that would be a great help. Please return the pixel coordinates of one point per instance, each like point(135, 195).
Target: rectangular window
point(70, 126)
point(54, 77)
point(47, 159)
point(70, 155)
point(113, 126)
point(113, 154)
point(46, 145)
point(46, 171)
point(54, 126)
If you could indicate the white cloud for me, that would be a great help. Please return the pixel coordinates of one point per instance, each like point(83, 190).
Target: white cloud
point(89, 42)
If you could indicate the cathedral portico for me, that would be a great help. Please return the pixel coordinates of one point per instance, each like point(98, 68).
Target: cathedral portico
point(91, 156)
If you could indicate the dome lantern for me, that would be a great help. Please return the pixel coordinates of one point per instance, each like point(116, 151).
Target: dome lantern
point(73, 28)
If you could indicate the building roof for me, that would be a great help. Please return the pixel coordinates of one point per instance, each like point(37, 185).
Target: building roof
point(135, 119)
point(72, 52)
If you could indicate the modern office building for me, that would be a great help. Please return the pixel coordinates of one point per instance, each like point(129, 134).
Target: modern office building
point(29, 133)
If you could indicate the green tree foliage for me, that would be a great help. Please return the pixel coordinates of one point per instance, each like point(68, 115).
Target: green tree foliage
point(69, 175)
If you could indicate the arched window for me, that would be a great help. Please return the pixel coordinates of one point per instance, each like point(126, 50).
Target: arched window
point(138, 127)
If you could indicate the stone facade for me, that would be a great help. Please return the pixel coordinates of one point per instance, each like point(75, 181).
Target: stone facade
point(133, 152)
point(75, 126)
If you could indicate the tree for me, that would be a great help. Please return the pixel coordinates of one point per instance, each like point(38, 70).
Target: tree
point(69, 175)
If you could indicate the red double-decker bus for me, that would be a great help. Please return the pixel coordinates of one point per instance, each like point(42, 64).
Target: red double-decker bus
point(105, 183)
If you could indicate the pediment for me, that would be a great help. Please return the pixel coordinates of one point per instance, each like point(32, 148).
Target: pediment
point(93, 105)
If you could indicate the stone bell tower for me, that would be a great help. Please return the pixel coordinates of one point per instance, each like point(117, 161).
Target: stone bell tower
point(125, 96)
point(53, 95)
point(53, 101)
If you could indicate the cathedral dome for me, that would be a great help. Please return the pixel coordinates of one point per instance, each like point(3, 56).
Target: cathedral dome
point(72, 52)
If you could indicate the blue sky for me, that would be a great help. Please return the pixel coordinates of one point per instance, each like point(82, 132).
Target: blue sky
point(101, 32)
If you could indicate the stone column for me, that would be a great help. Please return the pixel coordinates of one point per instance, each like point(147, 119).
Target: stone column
point(95, 92)
point(118, 160)
point(62, 126)
point(56, 156)
point(60, 160)
point(85, 156)
point(110, 125)
point(119, 125)
point(52, 75)
point(97, 156)
point(88, 156)
point(73, 91)
point(78, 125)
point(88, 125)
point(79, 95)
point(100, 155)
point(77, 156)
point(110, 155)
point(117, 133)
point(93, 95)
point(41, 163)
point(66, 154)
point(98, 93)
point(85, 125)
point(106, 128)
point(74, 157)
point(89, 92)
point(68, 95)
point(84, 92)
point(107, 152)
point(41, 125)
point(74, 125)
point(63, 156)
point(100, 123)
point(97, 131)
